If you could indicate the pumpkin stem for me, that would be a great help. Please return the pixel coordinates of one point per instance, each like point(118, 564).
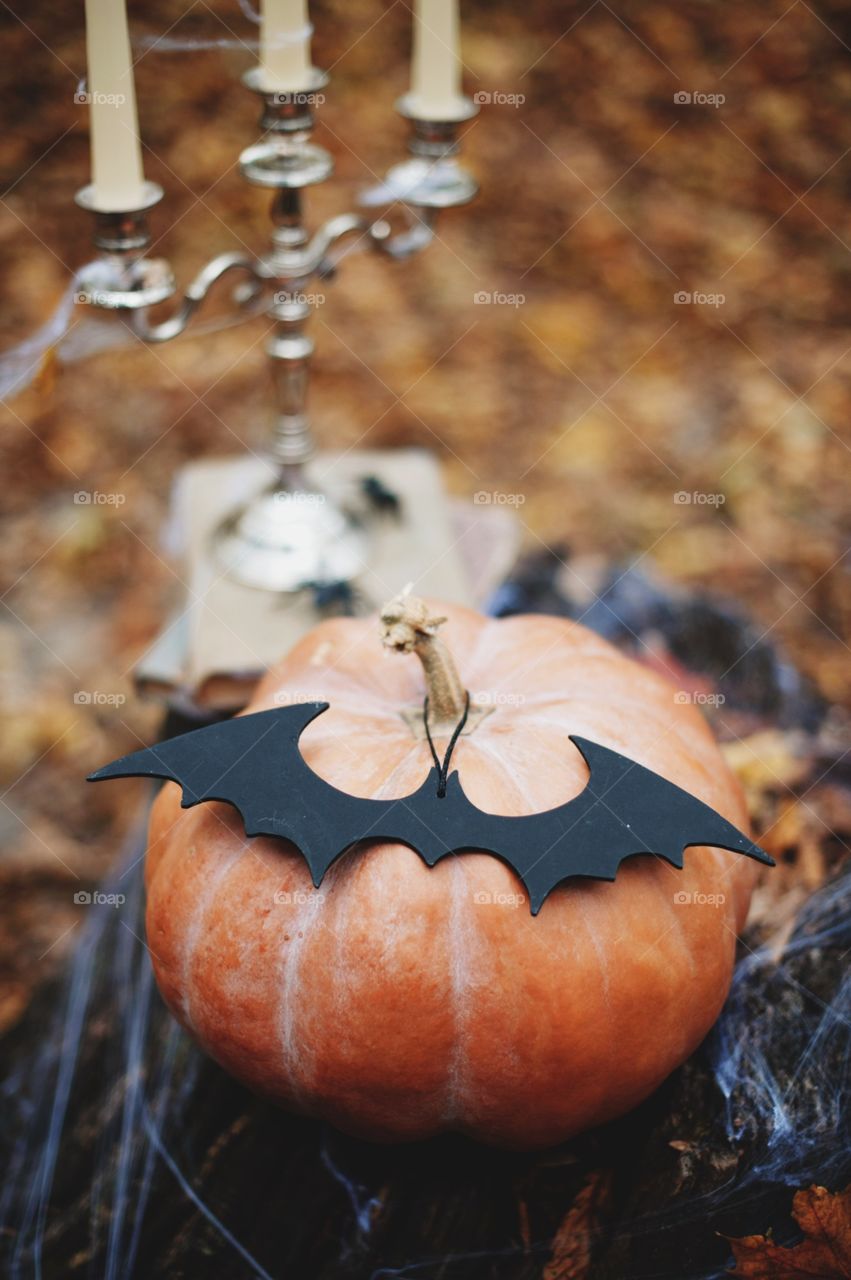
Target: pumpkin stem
point(408, 627)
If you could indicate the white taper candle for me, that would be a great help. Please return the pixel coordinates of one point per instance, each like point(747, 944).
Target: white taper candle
point(285, 46)
point(118, 179)
point(436, 64)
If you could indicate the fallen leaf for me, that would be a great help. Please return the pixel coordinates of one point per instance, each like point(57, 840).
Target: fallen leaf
point(771, 760)
point(823, 1254)
point(573, 1242)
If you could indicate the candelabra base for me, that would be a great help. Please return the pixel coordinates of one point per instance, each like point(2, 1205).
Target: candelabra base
point(285, 541)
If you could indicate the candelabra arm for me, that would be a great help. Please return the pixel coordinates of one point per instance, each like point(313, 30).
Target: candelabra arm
point(376, 233)
point(419, 235)
point(198, 290)
point(318, 255)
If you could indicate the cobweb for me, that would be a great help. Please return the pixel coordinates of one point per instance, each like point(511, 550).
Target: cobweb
point(113, 1062)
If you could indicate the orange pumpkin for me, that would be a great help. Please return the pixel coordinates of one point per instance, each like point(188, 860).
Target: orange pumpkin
point(397, 1001)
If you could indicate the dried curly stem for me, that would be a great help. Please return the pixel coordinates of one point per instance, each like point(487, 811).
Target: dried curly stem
point(408, 627)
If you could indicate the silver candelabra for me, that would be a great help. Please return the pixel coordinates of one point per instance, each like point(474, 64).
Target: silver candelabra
point(289, 535)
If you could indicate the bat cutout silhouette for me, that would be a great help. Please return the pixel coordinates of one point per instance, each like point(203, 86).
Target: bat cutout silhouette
point(253, 763)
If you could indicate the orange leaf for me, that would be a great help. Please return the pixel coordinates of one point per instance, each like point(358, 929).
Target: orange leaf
point(823, 1254)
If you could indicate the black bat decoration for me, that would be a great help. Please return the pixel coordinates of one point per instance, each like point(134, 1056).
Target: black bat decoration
point(254, 763)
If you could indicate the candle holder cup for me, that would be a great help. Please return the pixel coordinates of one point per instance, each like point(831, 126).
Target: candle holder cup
point(123, 278)
point(433, 178)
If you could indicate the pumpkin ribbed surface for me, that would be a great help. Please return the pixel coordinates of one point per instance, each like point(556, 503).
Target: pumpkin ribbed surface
point(397, 1000)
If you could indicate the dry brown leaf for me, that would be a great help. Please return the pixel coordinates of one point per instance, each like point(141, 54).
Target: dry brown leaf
point(574, 1240)
point(771, 760)
point(823, 1254)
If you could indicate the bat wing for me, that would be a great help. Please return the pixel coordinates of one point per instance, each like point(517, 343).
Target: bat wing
point(625, 809)
point(223, 761)
point(254, 763)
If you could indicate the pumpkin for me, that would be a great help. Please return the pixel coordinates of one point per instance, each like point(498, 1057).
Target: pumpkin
point(397, 1001)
